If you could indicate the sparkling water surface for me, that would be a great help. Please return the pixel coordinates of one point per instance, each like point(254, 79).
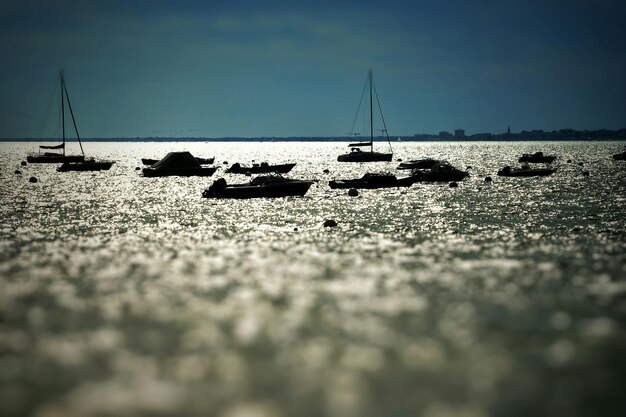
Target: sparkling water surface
point(124, 295)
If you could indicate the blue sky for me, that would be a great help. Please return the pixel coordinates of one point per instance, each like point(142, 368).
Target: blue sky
point(295, 68)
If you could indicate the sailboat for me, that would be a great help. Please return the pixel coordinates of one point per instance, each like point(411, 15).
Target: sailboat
point(357, 154)
point(57, 157)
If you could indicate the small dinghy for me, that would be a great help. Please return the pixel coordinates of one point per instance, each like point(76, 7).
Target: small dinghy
point(262, 168)
point(89, 164)
point(178, 164)
point(202, 161)
point(264, 186)
point(536, 158)
point(374, 180)
point(507, 171)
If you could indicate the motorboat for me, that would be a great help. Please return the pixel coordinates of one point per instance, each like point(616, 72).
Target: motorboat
point(262, 168)
point(374, 180)
point(263, 186)
point(524, 171)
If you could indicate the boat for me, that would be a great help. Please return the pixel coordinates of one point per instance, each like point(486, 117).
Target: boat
point(620, 156)
point(59, 157)
point(442, 171)
point(374, 180)
point(536, 158)
point(182, 164)
point(426, 163)
point(88, 164)
point(202, 161)
point(263, 186)
point(524, 171)
point(262, 168)
point(357, 154)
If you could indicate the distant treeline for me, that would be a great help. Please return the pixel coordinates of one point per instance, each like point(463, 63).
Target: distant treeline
point(524, 135)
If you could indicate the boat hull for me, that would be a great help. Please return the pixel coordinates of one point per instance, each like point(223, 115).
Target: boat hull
point(365, 157)
point(179, 172)
point(85, 166)
point(527, 173)
point(246, 191)
point(281, 168)
point(202, 161)
point(537, 159)
point(361, 183)
point(54, 159)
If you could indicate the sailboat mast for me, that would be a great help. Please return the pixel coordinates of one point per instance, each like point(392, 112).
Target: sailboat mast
point(371, 115)
point(62, 113)
point(69, 104)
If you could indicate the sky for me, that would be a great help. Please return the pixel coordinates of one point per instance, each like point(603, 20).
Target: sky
point(280, 68)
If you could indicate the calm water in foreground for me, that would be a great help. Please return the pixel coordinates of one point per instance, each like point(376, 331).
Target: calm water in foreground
point(123, 295)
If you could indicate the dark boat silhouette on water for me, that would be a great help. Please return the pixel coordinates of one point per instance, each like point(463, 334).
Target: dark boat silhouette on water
point(620, 156)
point(182, 164)
point(373, 180)
point(88, 164)
point(426, 163)
point(357, 154)
point(69, 162)
point(525, 171)
point(202, 161)
point(59, 157)
point(263, 186)
point(536, 158)
point(441, 171)
point(262, 168)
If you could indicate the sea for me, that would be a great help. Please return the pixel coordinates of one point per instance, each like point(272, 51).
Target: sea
point(125, 295)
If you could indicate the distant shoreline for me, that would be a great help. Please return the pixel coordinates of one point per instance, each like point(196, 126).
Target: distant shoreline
point(338, 140)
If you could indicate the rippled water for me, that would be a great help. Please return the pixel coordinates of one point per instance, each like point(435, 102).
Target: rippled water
point(123, 295)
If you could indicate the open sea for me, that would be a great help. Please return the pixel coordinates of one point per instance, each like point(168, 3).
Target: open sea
point(124, 295)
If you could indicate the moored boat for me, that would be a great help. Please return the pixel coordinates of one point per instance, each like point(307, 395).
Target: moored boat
point(59, 157)
point(442, 171)
point(426, 163)
point(178, 164)
point(507, 171)
point(374, 180)
point(620, 156)
point(537, 158)
point(262, 168)
point(88, 164)
point(357, 154)
point(202, 161)
point(264, 186)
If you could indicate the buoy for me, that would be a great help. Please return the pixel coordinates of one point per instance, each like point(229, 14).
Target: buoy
point(399, 159)
point(330, 223)
point(488, 179)
point(469, 167)
point(32, 179)
point(569, 161)
point(353, 192)
point(326, 171)
point(580, 163)
point(137, 168)
point(585, 173)
point(295, 229)
point(23, 163)
point(18, 172)
point(453, 184)
point(225, 162)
